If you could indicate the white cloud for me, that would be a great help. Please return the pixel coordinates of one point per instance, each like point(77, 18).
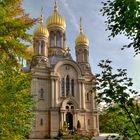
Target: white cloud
point(73, 19)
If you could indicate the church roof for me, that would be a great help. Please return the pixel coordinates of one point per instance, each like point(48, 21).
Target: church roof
point(56, 20)
point(41, 30)
point(81, 39)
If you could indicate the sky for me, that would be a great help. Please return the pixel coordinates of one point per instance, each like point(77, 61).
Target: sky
point(94, 28)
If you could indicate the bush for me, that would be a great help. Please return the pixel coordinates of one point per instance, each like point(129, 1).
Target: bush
point(78, 124)
point(65, 126)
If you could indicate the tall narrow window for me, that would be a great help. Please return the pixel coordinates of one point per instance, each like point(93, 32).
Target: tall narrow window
point(62, 87)
point(88, 96)
point(42, 47)
point(72, 87)
point(58, 38)
point(86, 56)
point(67, 85)
point(41, 121)
point(51, 39)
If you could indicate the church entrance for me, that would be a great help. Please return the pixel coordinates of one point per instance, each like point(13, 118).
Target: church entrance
point(69, 120)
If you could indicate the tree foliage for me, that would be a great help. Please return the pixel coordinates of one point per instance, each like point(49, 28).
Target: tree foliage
point(115, 89)
point(106, 121)
point(13, 26)
point(78, 124)
point(123, 17)
point(15, 103)
point(15, 98)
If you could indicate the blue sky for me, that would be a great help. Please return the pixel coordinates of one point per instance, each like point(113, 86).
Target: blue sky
point(94, 28)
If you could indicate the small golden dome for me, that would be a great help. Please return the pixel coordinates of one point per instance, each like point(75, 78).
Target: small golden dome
point(81, 39)
point(29, 52)
point(41, 30)
point(56, 20)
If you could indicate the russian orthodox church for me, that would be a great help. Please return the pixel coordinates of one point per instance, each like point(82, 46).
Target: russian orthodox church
point(61, 86)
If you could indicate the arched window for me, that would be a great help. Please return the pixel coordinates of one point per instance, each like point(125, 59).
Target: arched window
point(41, 121)
point(67, 85)
point(51, 39)
point(58, 38)
point(62, 87)
point(72, 87)
point(88, 96)
point(67, 107)
point(42, 47)
point(72, 107)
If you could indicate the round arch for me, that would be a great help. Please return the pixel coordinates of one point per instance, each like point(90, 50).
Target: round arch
point(69, 100)
point(68, 62)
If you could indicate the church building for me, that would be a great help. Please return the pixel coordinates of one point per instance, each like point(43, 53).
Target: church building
point(61, 86)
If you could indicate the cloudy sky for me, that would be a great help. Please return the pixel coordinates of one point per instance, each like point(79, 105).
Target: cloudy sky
point(94, 28)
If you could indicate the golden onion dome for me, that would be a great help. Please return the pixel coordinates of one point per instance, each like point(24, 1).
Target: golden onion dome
point(56, 20)
point(41, 30)
point(81, 39)
point(29, 52)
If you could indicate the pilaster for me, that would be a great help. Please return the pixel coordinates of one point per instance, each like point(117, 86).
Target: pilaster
point(83, 95)
point(79, 87)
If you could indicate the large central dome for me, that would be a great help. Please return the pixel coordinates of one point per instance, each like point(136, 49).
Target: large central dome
point(56, 20)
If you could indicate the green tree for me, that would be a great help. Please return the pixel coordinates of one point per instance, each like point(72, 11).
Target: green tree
point(123, 17)
point(106, 121)
point(13, 26)
point(78, 124)
point(15, 103)
point(15, 98)
point(114, 89)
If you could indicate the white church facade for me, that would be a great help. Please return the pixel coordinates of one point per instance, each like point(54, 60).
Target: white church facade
point(61, 86)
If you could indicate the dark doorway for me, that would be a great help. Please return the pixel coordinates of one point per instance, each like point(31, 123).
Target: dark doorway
point(69, 120)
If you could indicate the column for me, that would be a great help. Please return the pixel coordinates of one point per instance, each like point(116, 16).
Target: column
point(79, 86)
point(52, 95)
point(93, 100)
point(64, 116)
point(61, 126)
point(83, 56)
point(83, 95)
point(61, 41)
point(55, 39)
point(97, 121)
point(55, 89)
point(64, 40)
point(44, 49)
point(75, 119)
point(39, 47)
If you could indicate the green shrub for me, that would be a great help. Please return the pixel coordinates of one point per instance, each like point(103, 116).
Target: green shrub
point(78, 124)
point(65, 126)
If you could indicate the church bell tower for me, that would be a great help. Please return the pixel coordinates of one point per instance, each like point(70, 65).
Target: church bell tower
point(40, 44)
point(57, 39)
point(82, 51)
